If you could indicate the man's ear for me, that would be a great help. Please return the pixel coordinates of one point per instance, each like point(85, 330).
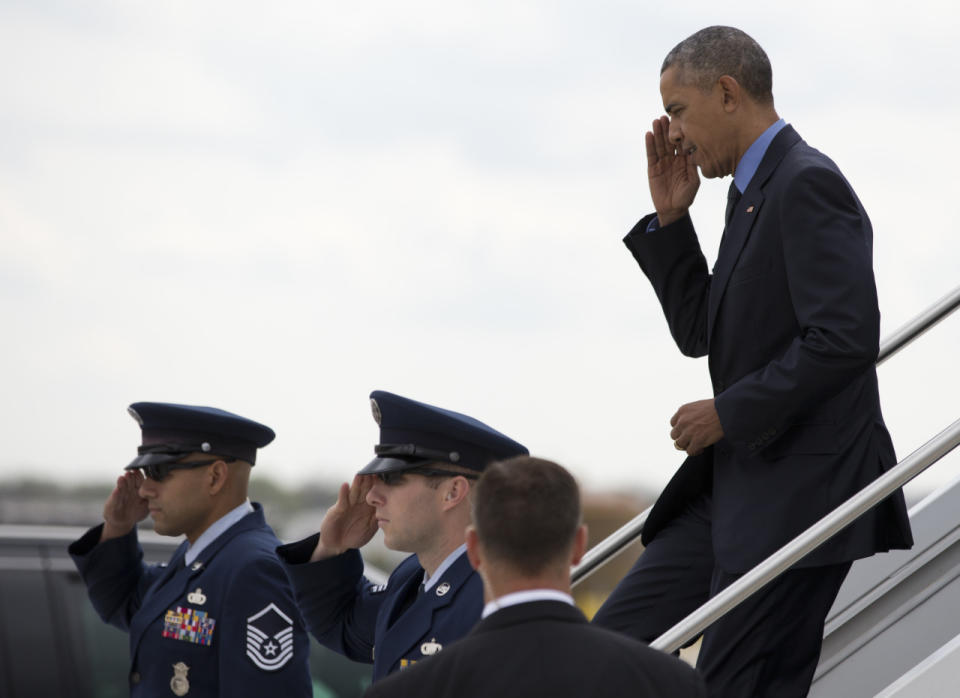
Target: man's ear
point(579, 545)
point(217, 476)
point(473, 548)
point(730, 92)
point(456, 490)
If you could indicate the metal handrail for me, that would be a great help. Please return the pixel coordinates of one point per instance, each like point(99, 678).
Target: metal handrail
point(920, 324)
point(599, 554)
point(829, 525)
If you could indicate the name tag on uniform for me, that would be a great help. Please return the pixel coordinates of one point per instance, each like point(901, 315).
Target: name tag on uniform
point(189, 625)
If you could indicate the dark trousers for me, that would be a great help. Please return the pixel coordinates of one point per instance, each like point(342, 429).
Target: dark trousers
point(769, 645)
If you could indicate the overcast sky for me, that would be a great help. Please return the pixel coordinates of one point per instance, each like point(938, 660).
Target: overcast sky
point(276, 208)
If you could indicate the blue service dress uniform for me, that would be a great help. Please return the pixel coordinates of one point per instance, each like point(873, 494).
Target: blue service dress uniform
point(349, 614)
point(227, 625)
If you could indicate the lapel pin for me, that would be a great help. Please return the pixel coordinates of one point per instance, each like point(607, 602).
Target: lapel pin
point(750, 209)
point(196, 566)
point(443, 589)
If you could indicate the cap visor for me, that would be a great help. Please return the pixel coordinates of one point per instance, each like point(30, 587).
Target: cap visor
point(389, 465)
point(153, 459)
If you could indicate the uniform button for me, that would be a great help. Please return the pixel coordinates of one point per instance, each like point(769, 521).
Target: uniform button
point(135, 677)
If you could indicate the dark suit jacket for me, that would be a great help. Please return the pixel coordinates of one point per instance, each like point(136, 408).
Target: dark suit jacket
point(229, 618)
point(368, 623)
point(543, 648)
point(790, 322)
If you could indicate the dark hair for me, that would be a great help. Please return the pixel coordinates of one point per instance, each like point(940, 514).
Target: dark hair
point(702, 58)
point(526, 512)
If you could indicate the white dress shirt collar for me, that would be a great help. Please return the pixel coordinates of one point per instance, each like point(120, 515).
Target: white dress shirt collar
point(428, 582)
point(526, 596)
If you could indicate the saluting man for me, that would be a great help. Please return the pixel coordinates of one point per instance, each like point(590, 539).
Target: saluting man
point(417, 491)
point(219, 619)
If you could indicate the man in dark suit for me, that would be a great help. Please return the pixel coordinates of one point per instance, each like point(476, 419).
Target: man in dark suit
point(417, 491)
point(533, 642)
point(220, 618)
point(790, 323)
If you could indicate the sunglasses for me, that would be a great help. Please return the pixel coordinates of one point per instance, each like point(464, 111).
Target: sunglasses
point(159, 472)
point(395, 477)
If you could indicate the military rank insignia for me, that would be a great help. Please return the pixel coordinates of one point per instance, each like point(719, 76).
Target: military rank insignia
point(189, 625)
point(270, 638)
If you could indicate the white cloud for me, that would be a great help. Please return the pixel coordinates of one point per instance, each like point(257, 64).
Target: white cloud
point(278, 208)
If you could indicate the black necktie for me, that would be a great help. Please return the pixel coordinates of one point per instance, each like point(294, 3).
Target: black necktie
point(733, 196)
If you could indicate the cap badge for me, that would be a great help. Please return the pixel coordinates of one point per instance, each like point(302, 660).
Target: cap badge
point(442, 589)
point(197, 597)
point(205, 447)
point(432, 647)
point(375, 408)
point(179, 684)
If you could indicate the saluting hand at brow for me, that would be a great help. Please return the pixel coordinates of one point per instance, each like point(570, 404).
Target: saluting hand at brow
point(351, 522)
point(124, 507)
point(673, 177)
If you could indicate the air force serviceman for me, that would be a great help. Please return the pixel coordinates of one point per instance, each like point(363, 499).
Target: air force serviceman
point(219, 619)
point(417, 491)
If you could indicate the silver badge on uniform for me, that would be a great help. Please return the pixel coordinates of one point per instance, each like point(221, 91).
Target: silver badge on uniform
point(442, 589)
point(179, 684)
point(270, 638)
point(197, 597)
point(432, 647)
point(196, 566)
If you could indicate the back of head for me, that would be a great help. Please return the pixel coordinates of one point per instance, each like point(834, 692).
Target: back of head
point(526, 512)
point(702, 58)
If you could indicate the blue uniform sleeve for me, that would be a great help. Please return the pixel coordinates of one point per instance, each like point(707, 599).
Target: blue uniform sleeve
point(337, 601)
point(114, 573)
point(264, 649)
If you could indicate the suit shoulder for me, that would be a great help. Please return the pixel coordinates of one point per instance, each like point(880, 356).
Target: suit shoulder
point(429, 676)
point(253, 547)
point(637, 652)
point(803, 157)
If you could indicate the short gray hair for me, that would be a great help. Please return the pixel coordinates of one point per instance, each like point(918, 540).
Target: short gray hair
point(702, 58)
